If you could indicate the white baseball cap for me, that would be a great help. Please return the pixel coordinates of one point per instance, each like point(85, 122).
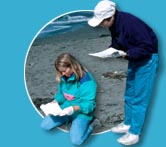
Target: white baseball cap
point(103, 10)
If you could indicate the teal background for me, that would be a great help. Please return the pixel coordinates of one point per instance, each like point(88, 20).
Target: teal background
point(19, 121)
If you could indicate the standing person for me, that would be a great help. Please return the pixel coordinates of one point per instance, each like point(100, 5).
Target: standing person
point(139, 42)
point(76, 96)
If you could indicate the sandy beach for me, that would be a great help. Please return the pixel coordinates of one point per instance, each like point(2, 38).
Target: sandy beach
point(40, 72)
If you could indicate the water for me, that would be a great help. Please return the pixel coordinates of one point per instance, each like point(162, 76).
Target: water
point(66, 23)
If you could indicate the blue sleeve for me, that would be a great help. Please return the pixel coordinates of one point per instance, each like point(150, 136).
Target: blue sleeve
point(138, 41)
point(87, 96)
point(59, 96)
point(114, 43)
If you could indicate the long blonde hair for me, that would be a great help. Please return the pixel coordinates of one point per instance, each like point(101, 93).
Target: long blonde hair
point(66, 60)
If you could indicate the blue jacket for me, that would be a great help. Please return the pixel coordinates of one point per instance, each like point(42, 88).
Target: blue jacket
point(80, 93)
point(133, 36)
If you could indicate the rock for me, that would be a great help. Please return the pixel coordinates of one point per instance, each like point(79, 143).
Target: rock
point(115, 74)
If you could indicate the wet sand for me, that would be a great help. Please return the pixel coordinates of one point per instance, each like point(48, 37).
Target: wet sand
point(40, 72)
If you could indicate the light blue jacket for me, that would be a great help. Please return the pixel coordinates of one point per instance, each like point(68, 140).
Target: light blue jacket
point(80, 93)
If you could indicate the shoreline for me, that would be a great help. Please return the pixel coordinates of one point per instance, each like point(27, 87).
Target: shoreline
point(40, 72)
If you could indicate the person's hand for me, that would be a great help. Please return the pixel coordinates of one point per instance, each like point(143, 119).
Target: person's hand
point(67, 111)
point(122, 53)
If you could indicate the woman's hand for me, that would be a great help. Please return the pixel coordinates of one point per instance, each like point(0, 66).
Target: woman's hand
point(67, 111)
point(76, 108)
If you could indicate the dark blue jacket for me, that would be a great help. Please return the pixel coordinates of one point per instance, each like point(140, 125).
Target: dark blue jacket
point(133, 36)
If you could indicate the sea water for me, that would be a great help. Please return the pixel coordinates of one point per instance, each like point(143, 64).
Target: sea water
point(66, 23)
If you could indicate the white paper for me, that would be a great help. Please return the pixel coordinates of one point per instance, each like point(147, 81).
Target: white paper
point(51, 109)
point(110, 52)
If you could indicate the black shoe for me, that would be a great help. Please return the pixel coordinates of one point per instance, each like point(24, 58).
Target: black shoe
point(96, 124)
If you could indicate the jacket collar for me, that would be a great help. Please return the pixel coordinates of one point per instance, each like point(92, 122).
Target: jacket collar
point(115, 28)
point(68, 79)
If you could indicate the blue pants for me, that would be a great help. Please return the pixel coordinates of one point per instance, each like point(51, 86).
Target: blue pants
point(139, 84)
point(80, 128)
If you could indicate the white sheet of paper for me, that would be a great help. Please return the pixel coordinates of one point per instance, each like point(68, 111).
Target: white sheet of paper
point(110, 52)
point(51, 108)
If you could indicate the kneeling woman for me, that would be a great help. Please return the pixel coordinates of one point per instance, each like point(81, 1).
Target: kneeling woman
point(76, 96)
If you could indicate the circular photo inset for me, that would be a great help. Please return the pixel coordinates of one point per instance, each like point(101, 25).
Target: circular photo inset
point(70, 33)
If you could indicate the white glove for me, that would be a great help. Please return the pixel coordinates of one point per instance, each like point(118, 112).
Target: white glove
point(51, 108)
point(67, 111)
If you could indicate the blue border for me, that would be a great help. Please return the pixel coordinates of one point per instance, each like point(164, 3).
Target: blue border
point(20, 21)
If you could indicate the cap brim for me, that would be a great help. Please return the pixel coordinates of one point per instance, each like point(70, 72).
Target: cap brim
point(94, 22)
